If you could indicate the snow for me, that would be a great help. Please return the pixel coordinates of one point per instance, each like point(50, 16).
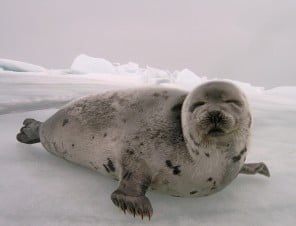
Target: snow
point(87, 64)
point(37, 188)
point(13, 65)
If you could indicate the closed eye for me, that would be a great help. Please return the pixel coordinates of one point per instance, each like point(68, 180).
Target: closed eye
point(236, 102)
point(195, 105)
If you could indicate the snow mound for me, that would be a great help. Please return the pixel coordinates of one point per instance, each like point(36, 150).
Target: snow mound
point(87, 64)
point(17, 66)
point(129, 68)
point(188, 79)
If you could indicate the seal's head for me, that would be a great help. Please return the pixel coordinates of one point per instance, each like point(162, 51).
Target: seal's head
point(213, 111)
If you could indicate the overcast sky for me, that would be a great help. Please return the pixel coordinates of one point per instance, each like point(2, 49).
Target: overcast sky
point(248, 40)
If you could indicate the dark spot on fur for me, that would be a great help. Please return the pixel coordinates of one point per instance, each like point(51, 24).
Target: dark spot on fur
point(207, 154)
point(176, 170)
point(93, 137)
point(130, 152)
point(106, 168)
point(137, 137)
point(124, 120)
point(93, 165)
point(156, 94)
point(73, 145)
point(65, 121)
point(213, 188)
point(127, 175)
point(236, 158)
point(141, 144)
point(193, 192)
point(169, 163)
point(177, 107)
point(110, 165)
point(195, 150)
point(105, 134)
point(243, 151)
point(210, 179)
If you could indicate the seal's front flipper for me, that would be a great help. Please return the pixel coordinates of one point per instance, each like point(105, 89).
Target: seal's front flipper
point(253, 168)
point(135, 205)
point(29, 133)
point(130, 195)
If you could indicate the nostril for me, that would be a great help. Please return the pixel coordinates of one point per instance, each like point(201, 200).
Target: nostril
point(215, 116)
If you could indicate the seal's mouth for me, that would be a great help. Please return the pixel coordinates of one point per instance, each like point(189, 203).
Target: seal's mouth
point(216, 131)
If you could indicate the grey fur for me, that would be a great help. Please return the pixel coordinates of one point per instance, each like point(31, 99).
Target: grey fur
point(184, 144)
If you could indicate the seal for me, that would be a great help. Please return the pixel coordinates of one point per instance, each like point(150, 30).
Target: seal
point(184, 144)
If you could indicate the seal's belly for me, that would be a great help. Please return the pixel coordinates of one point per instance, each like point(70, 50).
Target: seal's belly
point(208, 175)
point(65, 136)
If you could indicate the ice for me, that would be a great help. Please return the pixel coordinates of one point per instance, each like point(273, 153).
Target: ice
point(37, 188)
point(87, 64)
point(30, 91)
point(17, 66)
point(288, 92)
point(129, 68)
point(188, 80)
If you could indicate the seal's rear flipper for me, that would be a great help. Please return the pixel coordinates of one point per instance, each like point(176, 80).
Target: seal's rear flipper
point(253, 168)
point(29, 133)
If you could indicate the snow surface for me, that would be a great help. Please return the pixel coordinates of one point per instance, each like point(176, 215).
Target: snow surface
point(17, 66)
point(37, 188)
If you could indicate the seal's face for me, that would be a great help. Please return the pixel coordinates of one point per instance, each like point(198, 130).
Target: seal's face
point(218, 109)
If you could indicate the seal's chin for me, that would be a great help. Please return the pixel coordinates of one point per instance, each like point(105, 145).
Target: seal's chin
point(216, 132)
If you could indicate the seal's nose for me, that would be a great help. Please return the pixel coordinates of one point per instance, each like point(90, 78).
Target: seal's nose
point(215, 117)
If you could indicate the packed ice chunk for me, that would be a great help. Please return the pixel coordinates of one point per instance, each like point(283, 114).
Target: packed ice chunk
point(188, 79)
point(129, 68)
point(155, 76)
point(17, 66)
point(87, 64)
